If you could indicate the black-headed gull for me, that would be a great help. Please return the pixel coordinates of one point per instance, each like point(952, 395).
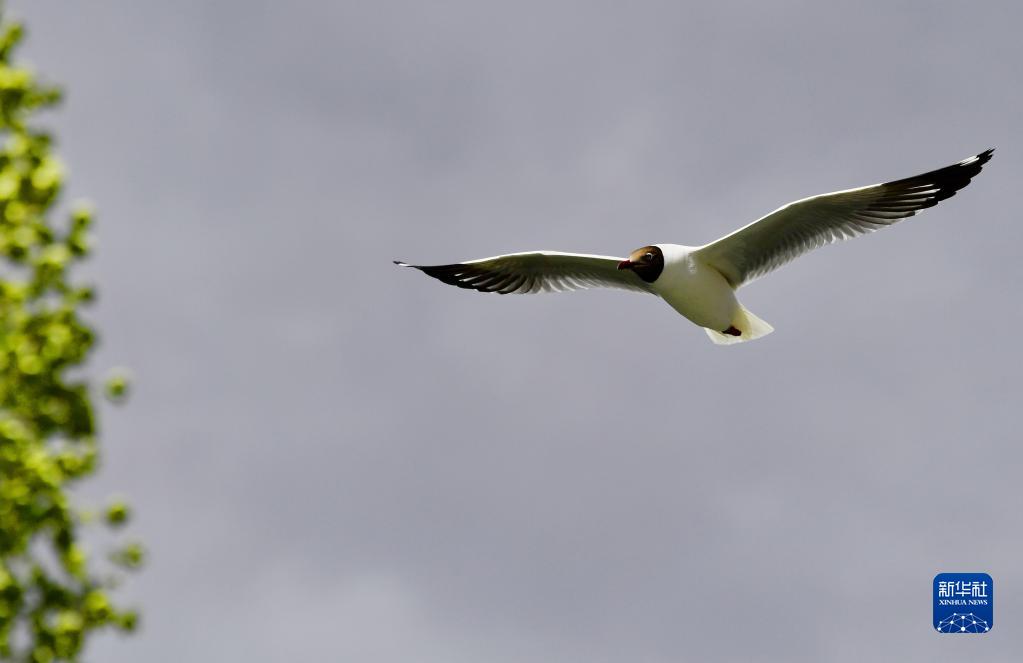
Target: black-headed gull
point(700, 281)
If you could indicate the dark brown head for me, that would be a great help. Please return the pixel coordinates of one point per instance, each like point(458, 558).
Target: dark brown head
point(647, 262)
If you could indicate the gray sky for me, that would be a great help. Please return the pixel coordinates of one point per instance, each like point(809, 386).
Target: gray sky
point(334, 459)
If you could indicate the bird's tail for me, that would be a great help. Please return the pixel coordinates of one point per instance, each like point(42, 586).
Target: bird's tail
point(750, 326)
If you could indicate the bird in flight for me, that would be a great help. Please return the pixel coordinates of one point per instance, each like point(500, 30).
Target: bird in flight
point(700, 281)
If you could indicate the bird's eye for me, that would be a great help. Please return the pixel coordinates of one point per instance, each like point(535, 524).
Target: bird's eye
point(648, 257)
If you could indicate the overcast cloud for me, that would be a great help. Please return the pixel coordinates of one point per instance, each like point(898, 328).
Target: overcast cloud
point(334, 459)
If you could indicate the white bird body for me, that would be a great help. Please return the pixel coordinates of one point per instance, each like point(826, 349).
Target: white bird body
point(700, 282)
point(695, 289)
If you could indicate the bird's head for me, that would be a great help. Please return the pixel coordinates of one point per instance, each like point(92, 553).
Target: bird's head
point(646, 262)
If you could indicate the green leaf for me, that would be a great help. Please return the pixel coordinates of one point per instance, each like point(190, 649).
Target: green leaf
point(53, 594)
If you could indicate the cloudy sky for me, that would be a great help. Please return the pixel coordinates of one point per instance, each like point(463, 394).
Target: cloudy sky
point(334, 459)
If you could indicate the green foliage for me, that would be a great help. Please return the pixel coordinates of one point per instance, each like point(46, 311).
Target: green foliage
point(52, 593)
point(117, 385)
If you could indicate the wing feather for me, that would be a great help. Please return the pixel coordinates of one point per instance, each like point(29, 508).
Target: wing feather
point(535, 271)
point(804, 225)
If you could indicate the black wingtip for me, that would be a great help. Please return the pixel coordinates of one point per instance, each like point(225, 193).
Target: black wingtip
point(400, 263)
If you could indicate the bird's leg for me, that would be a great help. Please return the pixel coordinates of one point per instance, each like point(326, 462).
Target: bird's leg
point(732, 331)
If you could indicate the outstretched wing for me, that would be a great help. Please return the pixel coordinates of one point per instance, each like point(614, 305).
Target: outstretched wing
point(807, 224)
point(536, 271)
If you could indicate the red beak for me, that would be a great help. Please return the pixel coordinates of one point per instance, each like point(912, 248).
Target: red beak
point(625, 264)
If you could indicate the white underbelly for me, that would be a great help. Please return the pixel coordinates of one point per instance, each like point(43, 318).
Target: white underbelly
point(700, 293)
